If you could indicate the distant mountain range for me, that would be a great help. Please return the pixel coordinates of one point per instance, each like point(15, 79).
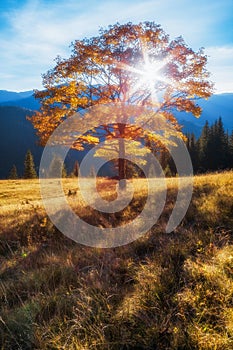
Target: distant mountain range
point(12, 96)
point(19, 99)
point(216, 106)
point(17, 134)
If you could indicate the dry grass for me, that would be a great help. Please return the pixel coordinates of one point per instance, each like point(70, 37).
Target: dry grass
point(164, 291)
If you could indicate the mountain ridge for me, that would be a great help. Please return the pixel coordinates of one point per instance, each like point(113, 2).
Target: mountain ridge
point(17, 134)
point(6, 95)
point(214, 107)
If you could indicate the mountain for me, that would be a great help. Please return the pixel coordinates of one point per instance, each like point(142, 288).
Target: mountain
point(29, 102)
point(213, 108)
point(13, 96)
point(216, 106)
point(17, 135)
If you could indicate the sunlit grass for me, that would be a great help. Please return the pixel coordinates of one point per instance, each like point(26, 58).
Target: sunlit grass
point(164, 291)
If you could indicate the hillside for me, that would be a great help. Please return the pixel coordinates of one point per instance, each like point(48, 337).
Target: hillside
point(163, 291)
point(17, 135)
point(12, 95)
point(216, 106)
point(28, 102)
point(213, 108)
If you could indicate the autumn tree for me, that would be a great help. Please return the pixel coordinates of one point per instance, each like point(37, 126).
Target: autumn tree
point(130, 63)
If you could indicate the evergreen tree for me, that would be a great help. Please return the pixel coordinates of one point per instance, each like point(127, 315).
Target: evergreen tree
point(193, 148)
point(204, 141)
point(230, 150)
point(221, 146)
point(167, 171)
point(76, 169)
point(214, 147)
point(64, 171)
point(133, 170)
point(217, 147)
point(57, 168)
point(13, 173)
point(92, 173)
point(163, 158)
point(167, 163)
point(29, 166)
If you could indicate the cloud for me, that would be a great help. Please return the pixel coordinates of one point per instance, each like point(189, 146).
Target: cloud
point(220, 65)
point(39, 30)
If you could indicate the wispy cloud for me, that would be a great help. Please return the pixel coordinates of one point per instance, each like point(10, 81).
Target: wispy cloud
point(220, 64)
point(39, 30)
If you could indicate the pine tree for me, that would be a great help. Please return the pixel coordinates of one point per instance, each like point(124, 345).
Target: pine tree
point(221, 146)
point(92, 173)
point(29, 166)
point(203, 147)
point(13, 173)
point(167, 163)
point(193, 148)
point(57, 168)
point(214, 147)
point(217, 147)
point(64, 171)
point(133, 170)
point(230, 154)
point(167, 171)
point(76, 169)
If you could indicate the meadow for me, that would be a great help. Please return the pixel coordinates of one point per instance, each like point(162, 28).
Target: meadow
point(169, 291)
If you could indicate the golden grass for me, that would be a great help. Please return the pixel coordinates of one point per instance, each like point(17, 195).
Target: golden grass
point(163, 291)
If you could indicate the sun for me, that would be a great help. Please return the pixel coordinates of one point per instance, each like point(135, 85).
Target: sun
point(148, 76)
point(151, 72)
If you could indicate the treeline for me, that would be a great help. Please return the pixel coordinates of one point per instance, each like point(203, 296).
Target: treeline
point(212, 151)
point(29, 168)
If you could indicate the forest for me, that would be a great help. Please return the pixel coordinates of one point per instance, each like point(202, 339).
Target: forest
point(212, 151)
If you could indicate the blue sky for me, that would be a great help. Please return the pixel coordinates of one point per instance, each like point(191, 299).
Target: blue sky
point(34, 32)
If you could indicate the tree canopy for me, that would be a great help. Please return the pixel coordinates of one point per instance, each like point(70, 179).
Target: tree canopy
point(129, 63)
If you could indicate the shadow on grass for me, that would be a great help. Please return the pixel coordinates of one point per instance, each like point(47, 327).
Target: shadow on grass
point(58, 294)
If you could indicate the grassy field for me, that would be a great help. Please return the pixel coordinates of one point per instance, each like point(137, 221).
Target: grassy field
point(163, 291)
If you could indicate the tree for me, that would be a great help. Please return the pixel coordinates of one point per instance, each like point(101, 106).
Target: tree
point(57, 168)
point(203, 147)
point(76, 169)
point(193, 148)
point(220, 145)
point(230, 162)
point(131, 63)
point(92, 173)
point(214, 147)
point(29, 166)
point(13, 175)
point(167, 171)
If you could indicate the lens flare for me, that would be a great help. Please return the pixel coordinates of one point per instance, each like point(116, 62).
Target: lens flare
point(148, 76)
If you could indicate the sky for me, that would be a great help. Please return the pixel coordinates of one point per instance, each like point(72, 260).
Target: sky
point(34, 32)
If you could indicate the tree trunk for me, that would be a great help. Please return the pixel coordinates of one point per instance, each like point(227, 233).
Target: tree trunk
point(121, 159)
